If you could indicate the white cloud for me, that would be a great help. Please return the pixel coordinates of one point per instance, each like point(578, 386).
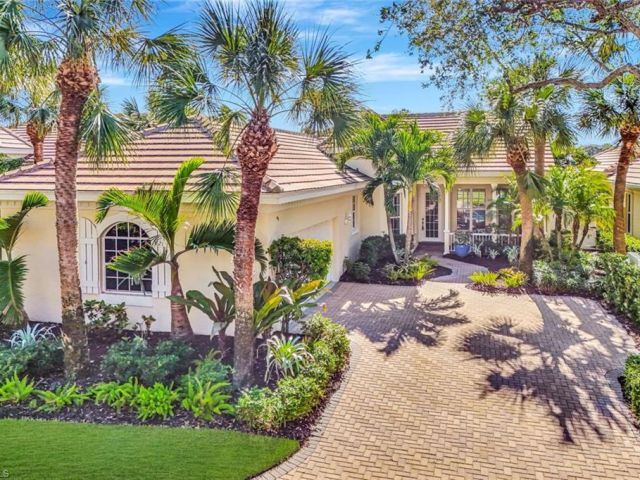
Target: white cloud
point(391, 67)
point(113, 80)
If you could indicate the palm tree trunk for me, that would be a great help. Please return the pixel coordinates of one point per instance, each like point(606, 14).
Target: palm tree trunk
point(558, 228)
point(575, 231)
point(392, 239)
point(629, 139)
point(257, 147)
point(37, 142)
point(409, 231)
point(76, 80)
point(540, 146)
point(518, 161)
point(585, 231)
point(180, 325)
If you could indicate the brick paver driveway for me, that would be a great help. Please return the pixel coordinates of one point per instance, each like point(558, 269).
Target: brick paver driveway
point(450, 383)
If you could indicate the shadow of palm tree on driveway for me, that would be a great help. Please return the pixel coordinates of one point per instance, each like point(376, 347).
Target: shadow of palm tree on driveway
point(407, 317)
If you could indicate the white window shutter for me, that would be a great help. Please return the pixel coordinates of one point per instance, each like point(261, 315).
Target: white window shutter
point(160, 280)
point(88, 256)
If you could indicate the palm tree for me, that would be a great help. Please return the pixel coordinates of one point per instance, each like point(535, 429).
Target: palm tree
point(13, 270)
point(373, 140)
point(77, 35)
point(557, 193)
point(160, 208)
point(590, 199)
point(263, 69)
point(504, 124)
point(616, 111)
point(420, 157)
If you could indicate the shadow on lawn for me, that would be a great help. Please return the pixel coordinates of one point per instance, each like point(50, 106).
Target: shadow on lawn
point(560, 366)
point(404, 317)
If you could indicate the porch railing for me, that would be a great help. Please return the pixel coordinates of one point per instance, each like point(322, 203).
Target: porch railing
point(500, 239)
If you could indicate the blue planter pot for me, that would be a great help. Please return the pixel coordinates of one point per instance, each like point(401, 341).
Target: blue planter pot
point(462, 250)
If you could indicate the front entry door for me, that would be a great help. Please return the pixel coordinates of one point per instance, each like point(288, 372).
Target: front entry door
point(432, 216)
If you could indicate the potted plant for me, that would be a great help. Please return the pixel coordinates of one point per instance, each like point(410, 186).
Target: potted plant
point(462, 244)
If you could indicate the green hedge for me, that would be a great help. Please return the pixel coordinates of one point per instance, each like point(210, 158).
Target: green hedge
point(301, 259)
point(605, 241)
point(632, 382)
point(620, 285)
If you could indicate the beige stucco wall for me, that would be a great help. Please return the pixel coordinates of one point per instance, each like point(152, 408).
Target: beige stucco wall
point(327, 218)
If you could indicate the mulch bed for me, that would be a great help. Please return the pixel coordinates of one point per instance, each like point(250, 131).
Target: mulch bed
point(377, 277)
point(99, 343)
point(492, 265)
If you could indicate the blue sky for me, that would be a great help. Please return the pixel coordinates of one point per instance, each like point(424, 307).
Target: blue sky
point(390, 81)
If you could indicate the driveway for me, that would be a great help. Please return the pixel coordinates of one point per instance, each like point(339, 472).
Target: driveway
point(447, 382)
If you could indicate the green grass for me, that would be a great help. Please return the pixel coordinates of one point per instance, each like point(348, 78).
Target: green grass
point(58, 450)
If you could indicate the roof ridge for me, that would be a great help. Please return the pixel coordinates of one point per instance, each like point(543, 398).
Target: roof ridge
point(16, 136)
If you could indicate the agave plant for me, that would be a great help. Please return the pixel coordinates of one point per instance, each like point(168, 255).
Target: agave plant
point(285, 356)
point(13, 271)
point(30, 335)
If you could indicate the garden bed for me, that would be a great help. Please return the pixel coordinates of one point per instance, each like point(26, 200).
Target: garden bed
point(378, 277)
point(492, 265)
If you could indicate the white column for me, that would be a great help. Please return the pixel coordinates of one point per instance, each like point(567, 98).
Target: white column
point(493, 213)
point(447, 220)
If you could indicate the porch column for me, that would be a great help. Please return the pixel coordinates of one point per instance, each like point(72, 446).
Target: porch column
point(447, 220)
point(493, 212)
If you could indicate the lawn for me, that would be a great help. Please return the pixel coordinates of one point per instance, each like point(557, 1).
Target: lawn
point(57, 450)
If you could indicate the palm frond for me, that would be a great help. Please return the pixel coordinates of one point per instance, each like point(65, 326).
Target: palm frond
point(138, 261)
point(182, 176)
point(214, 236)
point(215, 194)
point(13, 224)
point(229, 122)
point(13, 274)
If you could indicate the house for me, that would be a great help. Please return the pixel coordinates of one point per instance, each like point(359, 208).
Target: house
point(466, 209)
point(304, 195)
point(607, 162)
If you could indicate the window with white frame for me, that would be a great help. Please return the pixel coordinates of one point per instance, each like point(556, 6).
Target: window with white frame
point(471, 204)
point(395, 214)
point(119, 239)
point(354, 213)
point(629, 209)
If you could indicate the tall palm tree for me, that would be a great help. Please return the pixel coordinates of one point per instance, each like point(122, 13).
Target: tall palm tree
point(557, 196)
point(504, 124)
point(373, 139)
point(263, 69)
point(420, 157)
point(78, 35)
point(161, 208)
point(615, 111)
point(13, 270)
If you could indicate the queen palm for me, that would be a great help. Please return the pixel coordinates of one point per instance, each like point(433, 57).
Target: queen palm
point(615, 111)
point(590, 199)
point(77, 35)
point(161, 209)
point(557, 196)
point(260, 68)
point(419, 157)
point(373, 139)
point(13, 270)
point(504, 125)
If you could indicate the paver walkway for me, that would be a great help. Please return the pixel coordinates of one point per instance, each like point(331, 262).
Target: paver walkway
point(450, 383)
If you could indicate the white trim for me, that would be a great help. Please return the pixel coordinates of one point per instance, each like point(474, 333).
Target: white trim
point(131, 299)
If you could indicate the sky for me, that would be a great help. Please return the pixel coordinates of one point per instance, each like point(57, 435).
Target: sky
point(392, 80)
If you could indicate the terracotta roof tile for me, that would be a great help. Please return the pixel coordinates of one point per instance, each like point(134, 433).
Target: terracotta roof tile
point(298, 165)
point(608, 160)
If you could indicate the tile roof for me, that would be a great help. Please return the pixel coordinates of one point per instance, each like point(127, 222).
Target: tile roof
point(12, 144)
point(608, 160)
point(298, 165)
point(449, 122)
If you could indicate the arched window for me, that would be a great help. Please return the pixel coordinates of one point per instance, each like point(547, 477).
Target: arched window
point(118, 239)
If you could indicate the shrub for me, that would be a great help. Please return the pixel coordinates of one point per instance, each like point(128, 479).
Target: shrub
point(258, 408)
point(30, 336)
point(134, 358)
point(486, 279)
point(324, 357)
point(302, 259)
point(335, 336)
point(8, 164)
point(632, 382)
point(573, 273)
point(116, 395)
point(61, 397)
point(414, 270)
point(359, 270)
point(604, 241)
point(513, 278)
point(376, 249)
point(155, 401)
point(285, 356)
point(39, 360)
point(16, 389)
point(207, 370)
point(103, 316)
point(206, 400)
point(620, 285)
point(297, 397)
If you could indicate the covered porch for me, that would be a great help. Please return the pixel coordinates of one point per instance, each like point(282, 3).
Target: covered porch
point(465, 214)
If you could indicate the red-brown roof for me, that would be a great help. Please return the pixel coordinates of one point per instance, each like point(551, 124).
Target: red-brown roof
point(608, 160)
point(298, 165)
